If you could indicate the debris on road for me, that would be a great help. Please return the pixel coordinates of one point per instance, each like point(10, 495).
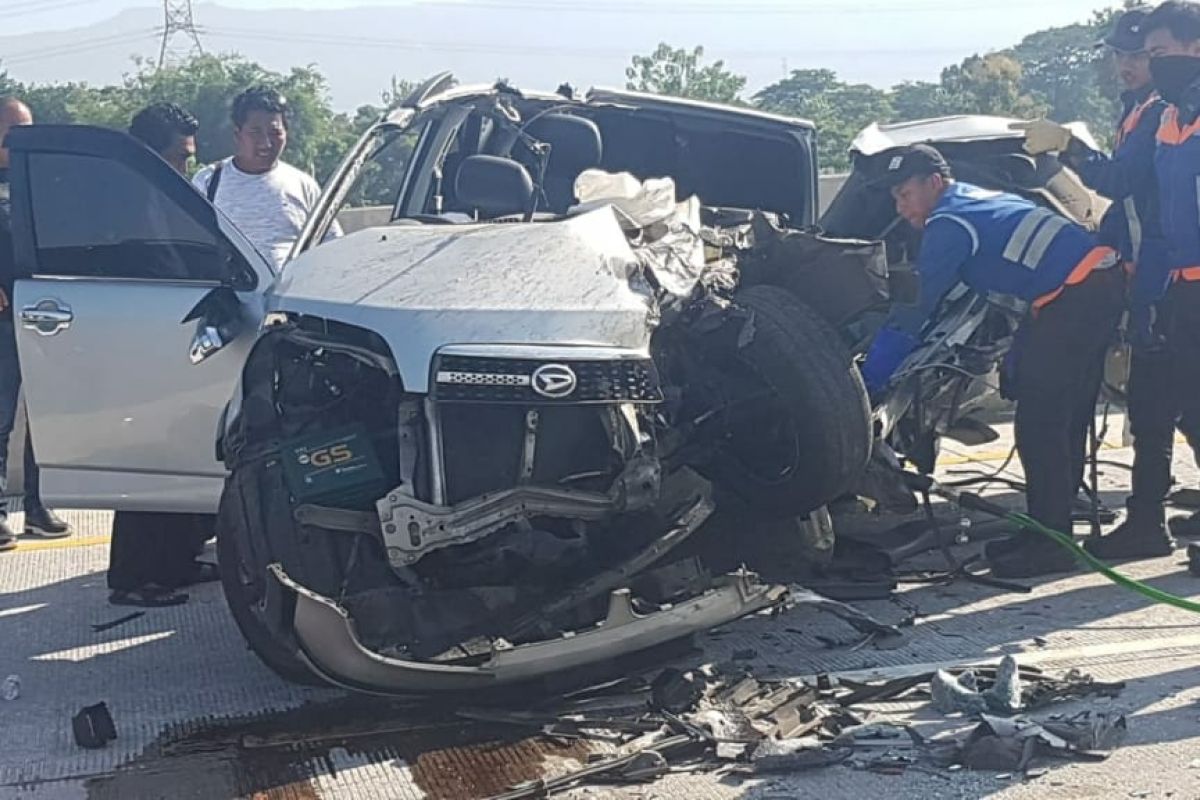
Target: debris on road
point(863, 623)
point(107, 626)
point(962, 693)
point(93, 727)
point(954, 694)
point(1011, 745)
point(1005, 689)
point(1075, 685)
point(727, 719)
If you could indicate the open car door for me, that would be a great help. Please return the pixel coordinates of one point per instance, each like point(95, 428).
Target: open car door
point(135, 305)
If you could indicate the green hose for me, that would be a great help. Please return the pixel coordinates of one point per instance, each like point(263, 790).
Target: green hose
point(1063, 540)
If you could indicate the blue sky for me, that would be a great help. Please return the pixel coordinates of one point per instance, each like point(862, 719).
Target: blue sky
point(533, 42)
point(993, 19)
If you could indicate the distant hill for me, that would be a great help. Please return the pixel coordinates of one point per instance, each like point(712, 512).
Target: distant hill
point(360, 49)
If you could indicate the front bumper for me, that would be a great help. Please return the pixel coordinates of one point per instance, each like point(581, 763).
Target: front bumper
point(327, 639)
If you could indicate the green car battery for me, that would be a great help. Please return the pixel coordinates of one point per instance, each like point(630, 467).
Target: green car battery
point(337, 468)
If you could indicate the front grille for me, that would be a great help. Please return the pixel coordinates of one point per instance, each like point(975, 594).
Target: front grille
point(483, 445)
point(472, 379)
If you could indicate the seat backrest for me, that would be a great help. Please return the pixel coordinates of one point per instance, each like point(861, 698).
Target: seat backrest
point(575, 145)
point(493, 186)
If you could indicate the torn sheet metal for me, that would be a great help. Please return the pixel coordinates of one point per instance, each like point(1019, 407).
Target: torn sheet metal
point(1011, 745)
point(798, 596)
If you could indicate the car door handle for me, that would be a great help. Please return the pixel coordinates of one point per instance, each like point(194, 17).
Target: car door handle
point(47, 317)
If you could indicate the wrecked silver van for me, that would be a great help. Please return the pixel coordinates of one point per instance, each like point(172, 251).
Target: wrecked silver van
point(464, 446)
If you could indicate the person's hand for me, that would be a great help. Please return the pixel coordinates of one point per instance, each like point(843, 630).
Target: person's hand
point(884, 356)
point(1142, 329)
point(1043, 136)
point(3, 301)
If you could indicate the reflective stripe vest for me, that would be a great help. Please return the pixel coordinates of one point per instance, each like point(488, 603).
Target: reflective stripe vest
point(1177, 165)
point(1019, 249)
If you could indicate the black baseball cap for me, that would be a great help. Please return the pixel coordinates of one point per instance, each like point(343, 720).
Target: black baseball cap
point(915, 161)
point(1127, 35)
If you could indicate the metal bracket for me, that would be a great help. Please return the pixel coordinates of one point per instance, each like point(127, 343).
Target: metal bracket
point(529, 450)
point(412, 528)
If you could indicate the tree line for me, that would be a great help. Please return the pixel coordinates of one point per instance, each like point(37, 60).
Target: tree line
point(1055, 72)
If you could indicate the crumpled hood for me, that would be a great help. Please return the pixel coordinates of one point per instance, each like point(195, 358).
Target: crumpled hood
point(423, 287)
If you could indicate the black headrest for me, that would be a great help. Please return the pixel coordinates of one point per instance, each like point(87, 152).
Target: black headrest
point(575, 142)
point(494, 186)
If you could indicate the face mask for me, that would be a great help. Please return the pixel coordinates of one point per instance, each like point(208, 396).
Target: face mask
point(1173, 75)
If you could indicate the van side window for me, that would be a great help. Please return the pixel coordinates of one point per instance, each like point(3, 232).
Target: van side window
point(97, 218)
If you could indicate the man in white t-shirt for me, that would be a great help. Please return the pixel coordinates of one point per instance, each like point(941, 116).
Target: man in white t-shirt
point(266, 198)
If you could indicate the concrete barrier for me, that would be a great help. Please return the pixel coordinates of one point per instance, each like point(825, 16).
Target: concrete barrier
point(827, 188)
point(355, 219)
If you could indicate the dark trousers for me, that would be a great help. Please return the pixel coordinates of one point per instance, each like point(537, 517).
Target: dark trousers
point(10, 398)
point(1164, 393)
point(151, 548)
point(1058, 375)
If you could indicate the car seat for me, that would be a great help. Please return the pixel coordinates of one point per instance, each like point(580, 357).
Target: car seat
point(575, 146)
point(491, 186)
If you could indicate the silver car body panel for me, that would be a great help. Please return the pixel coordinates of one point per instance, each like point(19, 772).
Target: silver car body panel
point(565, 283)
point(328, 640)
point(129, 422)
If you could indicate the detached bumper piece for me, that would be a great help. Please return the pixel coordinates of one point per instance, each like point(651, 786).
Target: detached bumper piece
point(327, 638)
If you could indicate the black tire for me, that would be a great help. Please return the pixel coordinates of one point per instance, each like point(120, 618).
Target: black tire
point(245, 582)
point(817, 401)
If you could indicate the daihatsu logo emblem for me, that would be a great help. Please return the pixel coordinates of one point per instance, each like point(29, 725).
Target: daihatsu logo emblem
point(554, 381)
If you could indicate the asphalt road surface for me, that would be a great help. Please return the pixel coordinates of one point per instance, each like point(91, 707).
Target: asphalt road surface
point(199, 717)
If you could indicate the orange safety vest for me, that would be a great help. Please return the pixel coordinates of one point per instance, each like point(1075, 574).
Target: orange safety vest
point(1098, 258)
point(1172, 134)
point(1131, 121)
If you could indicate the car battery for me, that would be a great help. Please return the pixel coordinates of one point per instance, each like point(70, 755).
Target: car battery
point(337, 468)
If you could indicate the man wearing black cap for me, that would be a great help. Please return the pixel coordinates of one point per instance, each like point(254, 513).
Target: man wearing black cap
point(999, 243)
point(1132, 227)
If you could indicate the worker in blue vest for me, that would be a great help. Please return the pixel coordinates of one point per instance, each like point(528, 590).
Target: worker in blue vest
point(1131, 225)
point(1172, 39)
point(1003, 244)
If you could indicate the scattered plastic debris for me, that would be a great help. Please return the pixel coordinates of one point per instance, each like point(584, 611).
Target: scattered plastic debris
point(1005, 695)
point(999, 743)
point(675, 691)
point(953, 694)
point(728, 719)
point(106, 626)
point(961, 693)
point(93, 727)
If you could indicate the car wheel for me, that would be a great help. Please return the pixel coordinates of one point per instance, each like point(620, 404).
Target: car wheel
point(799, 436)
point(263, 616)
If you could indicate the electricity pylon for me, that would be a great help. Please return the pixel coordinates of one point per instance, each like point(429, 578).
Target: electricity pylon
point(178, 23)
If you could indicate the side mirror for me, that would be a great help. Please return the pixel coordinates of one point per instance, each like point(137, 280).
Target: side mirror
point(205, 343)
point(218, 318)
